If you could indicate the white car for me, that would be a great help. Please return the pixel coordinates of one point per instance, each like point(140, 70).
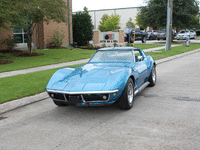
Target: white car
point(183, 35)
point(193, 34)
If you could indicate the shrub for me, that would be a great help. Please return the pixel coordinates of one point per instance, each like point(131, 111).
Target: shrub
point(58, 38)
point(9, 42)
point(82, 28)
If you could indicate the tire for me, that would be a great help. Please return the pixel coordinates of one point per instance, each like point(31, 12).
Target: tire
point(125, 101)
point(58, 103)
point(152, 77)
point(158, 39)
point(144, 39)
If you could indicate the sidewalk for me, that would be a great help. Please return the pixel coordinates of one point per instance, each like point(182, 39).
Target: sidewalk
point(36, 69)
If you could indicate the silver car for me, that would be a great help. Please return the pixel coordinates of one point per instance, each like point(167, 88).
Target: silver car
point(183, 35)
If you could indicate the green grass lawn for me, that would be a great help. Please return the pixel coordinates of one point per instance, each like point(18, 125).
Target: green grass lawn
point(15, 87)
point(51, 56)
point(173, 51)
point(147, 46)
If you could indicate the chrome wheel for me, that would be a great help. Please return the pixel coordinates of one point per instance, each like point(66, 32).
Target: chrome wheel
point(154, 75)
point(126, 100)
point(130, 93)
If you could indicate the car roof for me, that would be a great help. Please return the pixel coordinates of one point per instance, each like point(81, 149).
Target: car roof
point(117, 48)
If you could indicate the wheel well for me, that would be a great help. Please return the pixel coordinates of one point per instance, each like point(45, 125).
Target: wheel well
point(132, 77)
point(154, 64)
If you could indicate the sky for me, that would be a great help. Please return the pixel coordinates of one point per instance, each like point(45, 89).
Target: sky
point(78, 5)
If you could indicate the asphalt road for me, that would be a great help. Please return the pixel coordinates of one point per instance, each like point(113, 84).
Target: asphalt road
point(166, 116)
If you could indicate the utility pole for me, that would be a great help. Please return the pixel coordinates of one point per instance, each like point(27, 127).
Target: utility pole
point(169, 25)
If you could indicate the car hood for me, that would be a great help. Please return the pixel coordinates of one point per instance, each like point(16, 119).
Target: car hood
point(91, 77)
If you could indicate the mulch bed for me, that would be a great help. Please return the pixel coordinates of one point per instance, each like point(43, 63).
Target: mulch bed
point(56, 47)
point(29, 54)
point(11, 51)
point(2, 62)
point(17, 53)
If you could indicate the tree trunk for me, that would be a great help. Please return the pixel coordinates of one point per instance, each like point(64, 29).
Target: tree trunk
point(29, 40)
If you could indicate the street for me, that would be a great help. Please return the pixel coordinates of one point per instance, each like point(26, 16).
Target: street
point(166, 116)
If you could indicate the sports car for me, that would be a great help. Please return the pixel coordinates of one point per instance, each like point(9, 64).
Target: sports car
point(112, 75)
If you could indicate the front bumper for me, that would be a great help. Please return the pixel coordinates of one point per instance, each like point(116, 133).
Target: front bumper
point(84, 98)
point(181, 37)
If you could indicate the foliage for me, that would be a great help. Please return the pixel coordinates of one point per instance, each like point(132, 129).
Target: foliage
point(82, 28)
point(155, 14)
point(9, 42)
point(142, 18)
point(58, 37)
point(131, 23)
point(29, 13)
point(109, 23)
point(6, 13)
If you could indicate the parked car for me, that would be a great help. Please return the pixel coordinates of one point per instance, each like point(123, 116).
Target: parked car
point(152, 34)
point(193, 34)
point(113, 75)
point(162, 34)
point(139, 35)
point(182, 35)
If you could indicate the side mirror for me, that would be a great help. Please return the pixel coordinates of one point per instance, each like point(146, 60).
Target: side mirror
point(140, 58)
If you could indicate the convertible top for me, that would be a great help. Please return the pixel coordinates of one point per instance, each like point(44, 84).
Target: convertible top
point(117, 48)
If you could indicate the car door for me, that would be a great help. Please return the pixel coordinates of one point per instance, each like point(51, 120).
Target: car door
point(140, 66)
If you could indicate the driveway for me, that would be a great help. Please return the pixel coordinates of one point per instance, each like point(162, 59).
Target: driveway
point(166, 116)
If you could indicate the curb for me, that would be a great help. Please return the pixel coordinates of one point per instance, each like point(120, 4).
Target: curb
point(14, 104)
point(8, 106)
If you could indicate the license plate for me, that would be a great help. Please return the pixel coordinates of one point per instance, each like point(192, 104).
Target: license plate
point(73, 99)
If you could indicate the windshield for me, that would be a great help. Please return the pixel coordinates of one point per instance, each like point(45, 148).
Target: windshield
point(112, 56)
point(184, 32)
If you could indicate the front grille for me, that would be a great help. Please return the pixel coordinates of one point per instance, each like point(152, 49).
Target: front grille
point(73, 99)
point(57, 96)
point(96, 97)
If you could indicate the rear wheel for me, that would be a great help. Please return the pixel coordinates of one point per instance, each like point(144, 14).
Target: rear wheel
point(58, 103)
point(125, 102)
point(152, 77)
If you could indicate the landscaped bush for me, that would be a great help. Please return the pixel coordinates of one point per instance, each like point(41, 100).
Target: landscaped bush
point(82, 28)
point(9, 42)
point(58, 38)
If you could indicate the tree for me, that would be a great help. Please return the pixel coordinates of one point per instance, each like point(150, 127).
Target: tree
point(109, 23)
point(29, 13)
point(142, 18)
point(7, 13)
point(131, 23)
point(155, 13)
point(82, 27)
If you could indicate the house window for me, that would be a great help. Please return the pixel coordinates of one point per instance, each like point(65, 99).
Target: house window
point(19, 35)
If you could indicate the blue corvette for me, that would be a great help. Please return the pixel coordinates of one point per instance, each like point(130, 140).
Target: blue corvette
point(112, 75)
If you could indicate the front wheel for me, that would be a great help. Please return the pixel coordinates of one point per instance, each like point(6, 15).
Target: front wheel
point(152, 77)
point(144, 39)
point(125, 102)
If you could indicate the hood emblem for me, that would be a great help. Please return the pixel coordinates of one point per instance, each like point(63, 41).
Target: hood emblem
point(73, 86)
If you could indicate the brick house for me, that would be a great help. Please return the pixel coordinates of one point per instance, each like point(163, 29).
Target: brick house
point(42, 34)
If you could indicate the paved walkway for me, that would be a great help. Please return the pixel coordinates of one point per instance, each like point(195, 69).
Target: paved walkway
point(36, 69)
